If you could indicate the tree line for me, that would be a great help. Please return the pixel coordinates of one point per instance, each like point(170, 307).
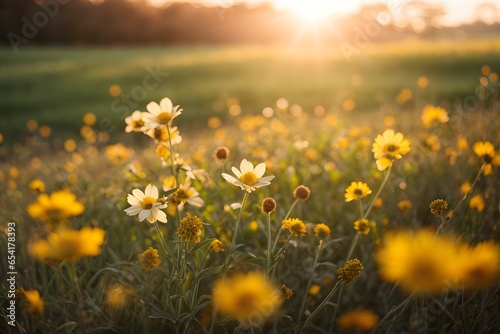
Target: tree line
point(125, 23)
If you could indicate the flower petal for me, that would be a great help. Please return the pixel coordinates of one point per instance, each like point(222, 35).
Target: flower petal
point(143, 214)
point(246, 166)
point(229, 178)
point(166, 104)
point(132, 200)
point(138, 194)
point(236, 172)
point(161, 216)
point(152, 191)
point(259, 170)
point(153, 108)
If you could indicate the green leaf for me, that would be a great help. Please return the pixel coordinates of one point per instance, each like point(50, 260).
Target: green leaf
point(163, 315)
point(67, 327)
point(170, 192)
point(175, 297)
point(202, 244)
point(209, 272)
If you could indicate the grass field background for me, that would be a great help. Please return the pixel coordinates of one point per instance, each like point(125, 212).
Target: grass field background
point(453, 157)
point(57, 86)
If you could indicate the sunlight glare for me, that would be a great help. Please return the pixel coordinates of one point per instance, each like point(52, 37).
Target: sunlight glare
point(313, 10)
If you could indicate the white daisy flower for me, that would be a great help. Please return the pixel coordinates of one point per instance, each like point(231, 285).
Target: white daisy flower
point(146, 205)
point(160, 114)
point(135, 122)
point(249, 177)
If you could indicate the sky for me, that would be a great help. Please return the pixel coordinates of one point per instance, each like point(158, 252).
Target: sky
point(458, 11)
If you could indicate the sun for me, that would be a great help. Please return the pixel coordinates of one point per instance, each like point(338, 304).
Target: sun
point(312, 11)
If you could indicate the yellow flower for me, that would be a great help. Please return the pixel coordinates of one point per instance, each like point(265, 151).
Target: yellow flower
point(465, 188)
point(250, 298)
point(477, 202)
point(356, 190)
point(486, 152)
point(249, 178)
point(118, 154)
point(56, 207)
point(432, 143)
point(37, 185)
point(420, 261)
point(253, 226)
point(184, 194)
point(161, 135)
point(432, 114)
point(462, 143)
point(32, 300)
point(404, 205)
point(360, 320)
point(190, 228)
point(217, 246)
point(322, 231)
point(362, 226)
point(295, 226)
point(287, 291)
point(451, 154)
point(135, 122)
point(388, 147)
point(314, 289)
point(160, 114)
point(146, 205)
point(118, 296)
point(70, 245)
point(149, 259)
point(479, 265)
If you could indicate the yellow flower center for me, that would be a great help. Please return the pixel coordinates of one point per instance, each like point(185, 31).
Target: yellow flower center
point(249, 178)
point(358, 192)
point(487, 158)
point(164, 117)
point(147, 203)
point(477, 274)
point(245, 302)
point(391, 148)
point(423, 271)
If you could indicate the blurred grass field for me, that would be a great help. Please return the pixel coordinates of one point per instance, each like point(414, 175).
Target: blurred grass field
point(57, 86)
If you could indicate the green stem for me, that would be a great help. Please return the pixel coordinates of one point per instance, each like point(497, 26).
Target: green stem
point(361, 211)
point(229, 254)
point(301, 328)
point(291, 208)
point(268, 260)
point(309, 282)
point(393, 310)
point(280, 229)
point(76, 286)
point(235, 234)
point(378, 192)
point(471, 187)
point(353, 245)
point(163, 244)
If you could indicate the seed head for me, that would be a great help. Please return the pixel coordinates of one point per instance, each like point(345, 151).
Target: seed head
point(302, 192)
point(350, 272)
point(268, 205)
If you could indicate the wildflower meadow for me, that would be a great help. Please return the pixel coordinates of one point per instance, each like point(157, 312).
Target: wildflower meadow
point(283, 219)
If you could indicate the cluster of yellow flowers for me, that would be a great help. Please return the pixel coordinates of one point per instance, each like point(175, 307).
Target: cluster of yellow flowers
point(62, 243)
point(423, 262)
